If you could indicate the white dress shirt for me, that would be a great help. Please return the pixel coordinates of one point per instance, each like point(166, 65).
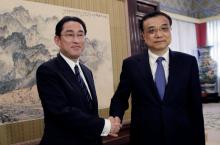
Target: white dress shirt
point(153, 64)
point(72, 63)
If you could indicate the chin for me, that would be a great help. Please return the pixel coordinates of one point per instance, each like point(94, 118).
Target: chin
point(161, 47)
point(74, 56)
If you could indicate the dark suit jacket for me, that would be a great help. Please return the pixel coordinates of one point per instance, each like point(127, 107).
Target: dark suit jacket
point(175, 120)
point(68, 119)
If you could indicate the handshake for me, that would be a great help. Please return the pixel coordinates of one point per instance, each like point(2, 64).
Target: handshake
point(115, 126)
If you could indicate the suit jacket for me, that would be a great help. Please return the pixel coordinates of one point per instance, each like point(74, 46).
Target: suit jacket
point(67, 116)
point(175, 120)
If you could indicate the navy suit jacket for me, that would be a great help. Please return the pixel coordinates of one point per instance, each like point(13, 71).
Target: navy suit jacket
point(67, 116)
point(175, 120)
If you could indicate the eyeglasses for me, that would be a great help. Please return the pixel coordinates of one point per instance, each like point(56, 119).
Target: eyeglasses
point(163, 29)
point(71, 36)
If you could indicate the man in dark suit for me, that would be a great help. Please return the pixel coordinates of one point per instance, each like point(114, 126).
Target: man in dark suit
point(67, 92)
point(165, 90)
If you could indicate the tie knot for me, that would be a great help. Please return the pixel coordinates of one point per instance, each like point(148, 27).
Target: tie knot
point(76, 68)
point(160, 59)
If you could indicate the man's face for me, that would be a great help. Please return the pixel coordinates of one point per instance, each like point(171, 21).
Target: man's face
point(72, 39)
point(157, 33)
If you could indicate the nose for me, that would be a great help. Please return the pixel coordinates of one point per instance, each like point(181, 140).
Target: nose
point(76, 39)
point(158, 33)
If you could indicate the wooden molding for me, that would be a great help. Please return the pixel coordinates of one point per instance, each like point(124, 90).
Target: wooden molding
point(122, 139)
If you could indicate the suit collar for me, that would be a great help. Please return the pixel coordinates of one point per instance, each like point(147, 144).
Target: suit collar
point(66, 70)
point(71, 78)
point(145, 71)
point(69, 61)
point(173, 72)
point(83, 71)
point(90, 82)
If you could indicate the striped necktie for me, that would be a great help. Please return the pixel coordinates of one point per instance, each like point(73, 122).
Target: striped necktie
point(83, 86)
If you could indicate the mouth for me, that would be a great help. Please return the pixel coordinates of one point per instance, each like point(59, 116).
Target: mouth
point(161, 41)
point(75, 47)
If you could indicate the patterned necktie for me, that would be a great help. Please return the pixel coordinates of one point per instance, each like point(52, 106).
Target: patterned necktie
point(160, 79)
point(83, 86)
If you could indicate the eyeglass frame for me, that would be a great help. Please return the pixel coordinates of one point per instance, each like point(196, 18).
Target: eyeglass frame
point(153, 30)
point(71, 36)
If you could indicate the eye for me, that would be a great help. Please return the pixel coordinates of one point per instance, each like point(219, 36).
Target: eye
point(164, 29)
point(70, 35)
point(80, 35)
point(151, 31)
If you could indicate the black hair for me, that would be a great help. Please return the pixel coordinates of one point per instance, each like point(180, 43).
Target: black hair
point(154, 14)
point(59, 26)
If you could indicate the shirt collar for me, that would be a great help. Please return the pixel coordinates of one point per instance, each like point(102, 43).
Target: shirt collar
point(71, 62)
point(153, 57)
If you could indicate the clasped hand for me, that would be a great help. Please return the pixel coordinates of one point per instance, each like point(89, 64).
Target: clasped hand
point(115, 126)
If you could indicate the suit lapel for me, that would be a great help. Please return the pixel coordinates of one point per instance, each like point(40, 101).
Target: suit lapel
point(68, 74)
point(89, 80)
point(66, 71)
point(71, 78)
point(90, 83)
point(172, 74)
point(145, 69)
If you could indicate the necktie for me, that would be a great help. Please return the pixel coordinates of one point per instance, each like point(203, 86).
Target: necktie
point(83, 86)
point(160, 79)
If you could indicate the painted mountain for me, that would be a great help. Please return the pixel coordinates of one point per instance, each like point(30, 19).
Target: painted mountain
point(24, 45)
point(26, 41)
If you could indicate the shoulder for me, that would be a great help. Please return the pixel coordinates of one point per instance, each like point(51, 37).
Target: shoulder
point(48, 65)
point(135, 58)
point(85, 68)
point(182, 56)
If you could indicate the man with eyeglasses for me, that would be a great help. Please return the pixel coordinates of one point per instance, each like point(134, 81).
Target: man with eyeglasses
point(165, 90)
point(67, 92)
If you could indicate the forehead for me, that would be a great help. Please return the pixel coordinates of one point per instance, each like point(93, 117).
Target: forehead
point(73, 26)
point(156, 21)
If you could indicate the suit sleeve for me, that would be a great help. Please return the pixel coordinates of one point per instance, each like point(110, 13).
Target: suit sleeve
point(119, 102)
point(196, 106)
point(57, 108)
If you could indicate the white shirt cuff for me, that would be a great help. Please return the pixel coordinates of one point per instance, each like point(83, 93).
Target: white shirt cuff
point(107, 128)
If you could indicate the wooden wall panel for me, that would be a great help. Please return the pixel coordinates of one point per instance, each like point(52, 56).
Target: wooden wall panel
point(20, 131)
point(28, 130)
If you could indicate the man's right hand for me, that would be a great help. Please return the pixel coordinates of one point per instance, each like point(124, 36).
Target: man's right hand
point(115, 126)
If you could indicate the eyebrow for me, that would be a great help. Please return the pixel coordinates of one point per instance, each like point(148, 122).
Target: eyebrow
point(150, 27)
point(68, 31)
point(165, 25)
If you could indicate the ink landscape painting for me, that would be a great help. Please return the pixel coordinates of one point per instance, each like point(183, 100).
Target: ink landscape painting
point(26, 41)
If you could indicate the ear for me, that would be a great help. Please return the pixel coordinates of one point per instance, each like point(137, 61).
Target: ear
point(57, 40)
point(142, 34)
